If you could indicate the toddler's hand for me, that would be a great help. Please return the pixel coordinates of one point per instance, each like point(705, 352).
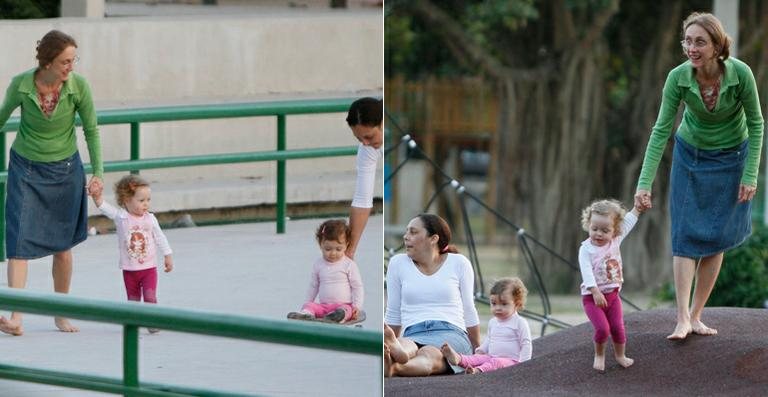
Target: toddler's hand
point(599, 299)
point(168, 263)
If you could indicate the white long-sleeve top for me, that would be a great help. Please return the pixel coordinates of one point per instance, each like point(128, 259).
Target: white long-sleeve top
point(367, 158)
point(601, 267)
point(509, 338)
point(446, 295)
point(137, 238)
point(336, 282)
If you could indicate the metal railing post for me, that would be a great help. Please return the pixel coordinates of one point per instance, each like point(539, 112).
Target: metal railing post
point(130, 356)
point(135, 142)
point(281, 205)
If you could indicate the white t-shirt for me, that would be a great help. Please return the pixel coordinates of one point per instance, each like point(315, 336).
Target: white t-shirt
point(367, 159)
point(447, 295)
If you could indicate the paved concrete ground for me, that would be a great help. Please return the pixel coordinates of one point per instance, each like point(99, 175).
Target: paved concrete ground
point(243, 269)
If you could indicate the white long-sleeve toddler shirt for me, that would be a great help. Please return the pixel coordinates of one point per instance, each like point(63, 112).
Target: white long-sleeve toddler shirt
point(336, 282)
point(602, 266)
point(509, 338)
point(138, 238)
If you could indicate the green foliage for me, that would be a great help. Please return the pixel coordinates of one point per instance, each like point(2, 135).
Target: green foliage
point(743, 279)
point(486, 20)
point(29, 9)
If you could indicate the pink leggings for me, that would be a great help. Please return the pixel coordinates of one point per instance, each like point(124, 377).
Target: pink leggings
point(140, 283)
point(484, 362)
point(606, 320)
point(321, 309)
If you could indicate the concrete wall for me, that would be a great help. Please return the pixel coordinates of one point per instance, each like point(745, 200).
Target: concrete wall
point(150, 61)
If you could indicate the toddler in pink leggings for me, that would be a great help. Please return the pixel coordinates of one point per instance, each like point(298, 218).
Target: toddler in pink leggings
point(509, 336)
point(336, 282)
point(607, 223)
point(138, 238)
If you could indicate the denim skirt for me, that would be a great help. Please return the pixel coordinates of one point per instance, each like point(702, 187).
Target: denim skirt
point(706, 217)
point(435, 333)
point(46, 210)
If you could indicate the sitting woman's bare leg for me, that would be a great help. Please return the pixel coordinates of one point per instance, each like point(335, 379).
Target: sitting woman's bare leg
point(400, 349)
point(428, 361)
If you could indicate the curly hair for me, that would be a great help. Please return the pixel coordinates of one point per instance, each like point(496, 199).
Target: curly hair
point(606, 207)
point(333, 230)
point(126, 188)
point(515, 287)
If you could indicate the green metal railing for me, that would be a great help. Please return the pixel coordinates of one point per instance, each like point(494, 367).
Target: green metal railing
point(133, 315)
point(134, 117)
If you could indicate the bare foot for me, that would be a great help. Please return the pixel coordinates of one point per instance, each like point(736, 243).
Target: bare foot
point(471, 371)
point(681, 332)
point(450, 354)
point(64, 325)
point(389, 367)
point(10, 327)
point(625, 361)
point(395, 349)
point(599, 363)
point(698, 328)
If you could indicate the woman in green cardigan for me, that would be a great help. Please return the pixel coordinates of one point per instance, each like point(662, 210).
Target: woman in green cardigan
point(714, 164)
point(46, 207)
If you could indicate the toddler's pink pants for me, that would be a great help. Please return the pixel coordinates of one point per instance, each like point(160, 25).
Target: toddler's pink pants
point(607, 320)
point(141, 283)
point(321, 309)
point(484, 362)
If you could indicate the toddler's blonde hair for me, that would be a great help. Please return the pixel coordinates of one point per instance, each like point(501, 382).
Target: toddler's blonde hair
point(605, 207)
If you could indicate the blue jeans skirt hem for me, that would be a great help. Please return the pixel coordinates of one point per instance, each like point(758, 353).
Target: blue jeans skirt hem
point(706, 217)
point(435, 333)
point(46, 210)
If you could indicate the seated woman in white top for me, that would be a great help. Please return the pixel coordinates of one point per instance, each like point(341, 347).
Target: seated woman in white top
point(365, 119)
point(430, 298)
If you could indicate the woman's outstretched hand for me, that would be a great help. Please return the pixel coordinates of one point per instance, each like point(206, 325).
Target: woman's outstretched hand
point(643, 200)
point(746, 193)
point(95, 186)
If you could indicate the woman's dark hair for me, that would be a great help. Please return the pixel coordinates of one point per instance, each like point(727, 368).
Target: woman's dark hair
point(437, 225)
point(51, 45)
point(366, 111)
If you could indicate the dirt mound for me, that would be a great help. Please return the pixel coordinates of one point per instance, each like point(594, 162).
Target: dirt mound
point(734, 362)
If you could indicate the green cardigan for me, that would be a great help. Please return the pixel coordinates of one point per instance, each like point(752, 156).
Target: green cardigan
point(46, 139)
point(736, 117)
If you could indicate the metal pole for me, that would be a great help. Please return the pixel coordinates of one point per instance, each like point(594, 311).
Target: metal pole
point(281, 205)
point(135, 144)
point(130, 355)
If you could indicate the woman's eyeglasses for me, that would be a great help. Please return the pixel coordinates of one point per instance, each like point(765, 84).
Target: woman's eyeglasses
point(688, 44)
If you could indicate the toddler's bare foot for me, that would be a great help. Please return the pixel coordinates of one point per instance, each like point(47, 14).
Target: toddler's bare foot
point(471, 371)
point(389, 367)
point(625, 361)
point(64, 325)
point(681, 331)
point(11, 327)
point(698, 328)
point(395, 349)
point(599, 363)
point(450, 354)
